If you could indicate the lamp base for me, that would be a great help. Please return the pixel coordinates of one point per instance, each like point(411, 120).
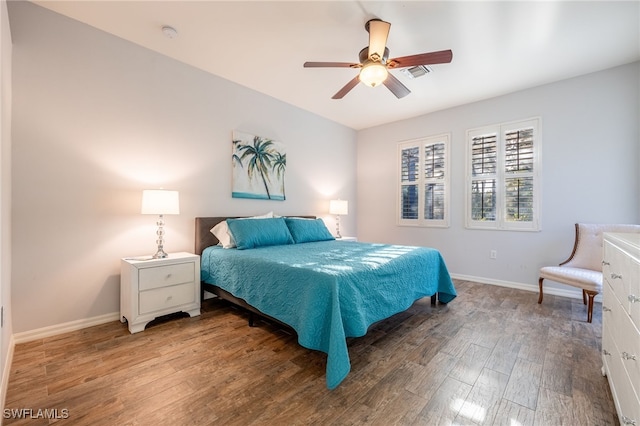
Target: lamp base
point(160, 254)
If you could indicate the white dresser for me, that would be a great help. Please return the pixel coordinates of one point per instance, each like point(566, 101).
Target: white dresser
point(621, 322)
point(156, 287)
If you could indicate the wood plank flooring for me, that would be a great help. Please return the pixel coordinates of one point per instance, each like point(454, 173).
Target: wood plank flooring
point(493, 356)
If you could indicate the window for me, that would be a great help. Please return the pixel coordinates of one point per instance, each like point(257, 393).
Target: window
point(503, 176)
point(424, 182)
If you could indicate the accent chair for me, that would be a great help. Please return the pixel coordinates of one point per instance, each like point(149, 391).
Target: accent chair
point(583, 269)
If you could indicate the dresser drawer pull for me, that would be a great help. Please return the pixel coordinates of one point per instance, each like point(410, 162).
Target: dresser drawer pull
point(615, 276)
point(605, 263)
point(169, 276)
point(627, 355)
point(605, 309)
point(633, 298)
point(627, 421)
point(606, 352)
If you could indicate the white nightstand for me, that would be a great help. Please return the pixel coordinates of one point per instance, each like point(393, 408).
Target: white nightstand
point(351, 239)
point(156, 287)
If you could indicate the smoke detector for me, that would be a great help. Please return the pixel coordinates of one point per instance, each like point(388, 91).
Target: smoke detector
point(169, 32)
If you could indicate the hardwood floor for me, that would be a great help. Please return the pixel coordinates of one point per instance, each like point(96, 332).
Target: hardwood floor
point(492, 356)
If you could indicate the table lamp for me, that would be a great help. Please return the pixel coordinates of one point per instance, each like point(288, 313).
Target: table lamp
point(338, 207)
point(160, 202)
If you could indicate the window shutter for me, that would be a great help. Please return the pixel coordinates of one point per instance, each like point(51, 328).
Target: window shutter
point(502, 176)
point(484, 160)
point(434, 160)
point(519, 161)
point(434, 172)
point(518, 155)
point(409, 176)
point(424, 180)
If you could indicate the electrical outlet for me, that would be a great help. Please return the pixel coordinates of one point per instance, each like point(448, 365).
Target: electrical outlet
point(493, 254)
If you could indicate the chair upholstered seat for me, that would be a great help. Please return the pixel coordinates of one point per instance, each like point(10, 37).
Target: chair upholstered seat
point(583, 268)
point(577, 277)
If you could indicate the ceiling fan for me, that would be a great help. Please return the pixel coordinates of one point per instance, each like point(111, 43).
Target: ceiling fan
point(375, 63)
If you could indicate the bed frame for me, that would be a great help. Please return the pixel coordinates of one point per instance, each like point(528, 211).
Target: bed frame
point(204, 238)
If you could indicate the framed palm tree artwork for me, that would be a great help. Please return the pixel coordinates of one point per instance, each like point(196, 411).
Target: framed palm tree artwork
point(258, 165)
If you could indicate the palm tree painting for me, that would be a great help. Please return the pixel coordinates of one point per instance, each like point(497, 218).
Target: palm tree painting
point(258, 167)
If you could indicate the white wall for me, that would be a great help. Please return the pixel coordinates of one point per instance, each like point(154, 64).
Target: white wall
point(590, 173)
point(5, 198)
point(96, 120)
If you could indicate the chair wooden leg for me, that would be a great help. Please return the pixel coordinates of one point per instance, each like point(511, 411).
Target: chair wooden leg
point(584, 296)
point(591, 295)
point(540, 296)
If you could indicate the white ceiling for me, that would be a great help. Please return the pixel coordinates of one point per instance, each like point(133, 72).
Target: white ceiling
point(498, 47)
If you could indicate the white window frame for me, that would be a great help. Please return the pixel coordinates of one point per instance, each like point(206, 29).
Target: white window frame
point(422, 181)
point(501, 176)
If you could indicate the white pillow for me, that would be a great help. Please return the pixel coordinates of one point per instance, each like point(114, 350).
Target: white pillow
point(221, 231)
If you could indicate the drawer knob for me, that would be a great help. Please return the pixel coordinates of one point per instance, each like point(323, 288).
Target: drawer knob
point(615, 276)
point(169, 298)
point(606, 352)
point(626, 355)
point(627, 421)
point(633, 298)
point(168, 275)
point(605, 309)
point(605, 263)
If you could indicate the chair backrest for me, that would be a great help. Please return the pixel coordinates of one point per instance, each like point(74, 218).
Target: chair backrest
point(587, 250)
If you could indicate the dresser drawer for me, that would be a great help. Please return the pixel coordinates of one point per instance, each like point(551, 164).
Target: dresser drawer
point(168, 275)
point(620, 338)
point(633, 278)
point(612, 366)
point(611, 307)
point(612, 272)
point(625, 398)
point(628, 343)
point(167, 297)
point(620, 320)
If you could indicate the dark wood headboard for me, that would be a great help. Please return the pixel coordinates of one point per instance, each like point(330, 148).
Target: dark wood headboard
point(204, 237)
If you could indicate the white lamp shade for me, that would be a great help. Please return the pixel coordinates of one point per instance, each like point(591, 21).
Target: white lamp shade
point(339, 207)
point(373, 74)
point(160, 201)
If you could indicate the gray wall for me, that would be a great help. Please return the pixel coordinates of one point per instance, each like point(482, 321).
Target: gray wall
point(96, 120)
point(590, 173)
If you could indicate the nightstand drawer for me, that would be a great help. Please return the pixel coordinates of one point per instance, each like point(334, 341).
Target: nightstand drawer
point(163, 276)
point(167, 297)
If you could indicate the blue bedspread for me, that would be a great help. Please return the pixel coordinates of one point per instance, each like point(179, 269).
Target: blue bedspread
point(327, 291)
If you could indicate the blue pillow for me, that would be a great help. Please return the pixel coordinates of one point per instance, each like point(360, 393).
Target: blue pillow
point(307, 230)
point(251, 233)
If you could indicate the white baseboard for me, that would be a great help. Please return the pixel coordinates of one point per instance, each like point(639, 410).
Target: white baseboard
point(570, 292)
point(53, 330)
point(5, 374)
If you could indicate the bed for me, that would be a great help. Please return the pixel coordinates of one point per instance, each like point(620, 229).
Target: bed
point(325, 290)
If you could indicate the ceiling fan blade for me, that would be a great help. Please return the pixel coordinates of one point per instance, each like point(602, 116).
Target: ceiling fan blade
point(440, 57)
point(347, 88)
point(331, 65)
point(396, 87)
point(378, 33)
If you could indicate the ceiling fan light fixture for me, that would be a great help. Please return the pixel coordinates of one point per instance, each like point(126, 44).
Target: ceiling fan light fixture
point(373, 73)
